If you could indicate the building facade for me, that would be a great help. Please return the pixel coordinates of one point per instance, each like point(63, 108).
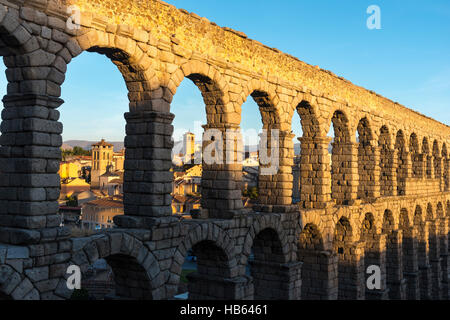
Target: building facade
point(102, 159)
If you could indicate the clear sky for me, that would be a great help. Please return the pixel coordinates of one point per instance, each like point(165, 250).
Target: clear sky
point(408, 60)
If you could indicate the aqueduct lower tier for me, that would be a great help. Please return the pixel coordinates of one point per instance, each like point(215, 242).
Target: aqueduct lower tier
point(383, 199)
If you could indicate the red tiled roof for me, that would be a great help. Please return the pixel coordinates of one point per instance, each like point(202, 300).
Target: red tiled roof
point(106, 203)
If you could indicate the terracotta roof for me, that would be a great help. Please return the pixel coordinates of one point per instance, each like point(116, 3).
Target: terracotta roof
point(106, 203)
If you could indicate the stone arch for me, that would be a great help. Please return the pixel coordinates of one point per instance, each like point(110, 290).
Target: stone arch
point(432, 225)
point(313, 144)
point(311, 238)
point(368, 227)
point(277, 136)
point(311, 253)
point(214, 249)
point(420, 225)
point(267, 246)
point(440, 210)
point(445, 169)
point(394, 265)
point(437, 161)
point(386, 163)
point(341, 192)
point(15, 36)
point(350, 262)
point(404, 219)
point(136, 271)
point(409, 254)
point(418, 215)
point(373, 247)
point(136, 67)
point(277, 233)
point(427, 157)
point(269, 255)
point(430, 216)
point(265, 96)
point(417, 168)
point(16, 286)
point(402, 162)
point(388, 221)
point(21, 49)
point(213, 88)
point(308, 118)
point(366, 161)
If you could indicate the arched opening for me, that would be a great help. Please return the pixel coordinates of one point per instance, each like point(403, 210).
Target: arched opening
point(437, 170)
point(386, 163)
point(350, 263)
point(187, 165)
point(417, 167)
point(402, 165)
point(316, 275)
point(114, 277)
point(341, 165)
point(217, 192)
point(189, 266)
point(434, 252)
point(311, 161)
point(422, 254)
point(252, 131)
point(296, 176)
point(270, 144)
point(268, 256)
point(366, 161)
point(394, 268)
point(93, 148)
point(373, 253)
point(213, 266)
point(445, 170)
point(409, 256)
point(427, 158)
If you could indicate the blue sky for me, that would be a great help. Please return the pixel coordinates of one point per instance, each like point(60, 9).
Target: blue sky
point(408, 60)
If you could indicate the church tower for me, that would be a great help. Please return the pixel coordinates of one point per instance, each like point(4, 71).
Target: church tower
point(188, 146)
point(102, 158)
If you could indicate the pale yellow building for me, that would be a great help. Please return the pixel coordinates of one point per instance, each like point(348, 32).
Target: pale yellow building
point(99, 214)
point(119, 160)
point(69, 170)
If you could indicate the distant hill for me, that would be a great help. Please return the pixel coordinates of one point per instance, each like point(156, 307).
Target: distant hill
point(66, 147)
point(87, 145)
point(120, 145)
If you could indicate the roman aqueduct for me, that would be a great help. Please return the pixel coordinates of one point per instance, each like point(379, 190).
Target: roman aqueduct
point(383, 199)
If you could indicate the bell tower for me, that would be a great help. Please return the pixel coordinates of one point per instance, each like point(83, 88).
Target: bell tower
point(102, 158)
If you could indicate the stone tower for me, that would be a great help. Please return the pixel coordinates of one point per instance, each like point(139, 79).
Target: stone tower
point(102, 157)
point(188, 145)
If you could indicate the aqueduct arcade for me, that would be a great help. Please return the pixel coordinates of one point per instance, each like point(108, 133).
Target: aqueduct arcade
point(382, 198)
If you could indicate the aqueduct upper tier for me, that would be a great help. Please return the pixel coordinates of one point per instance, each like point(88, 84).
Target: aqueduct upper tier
point(382, 198)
